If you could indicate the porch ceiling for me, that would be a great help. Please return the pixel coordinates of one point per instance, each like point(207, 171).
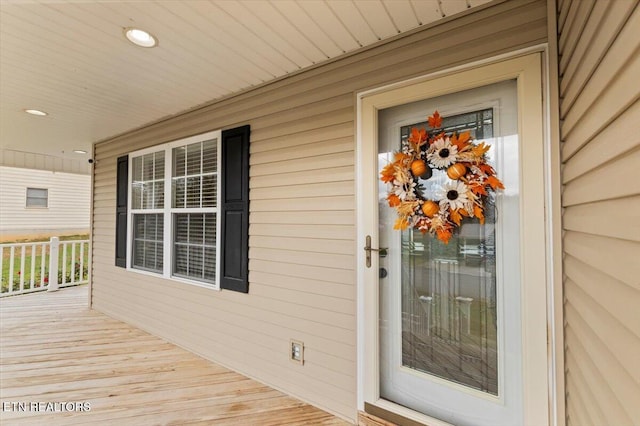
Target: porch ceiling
point(70, 59)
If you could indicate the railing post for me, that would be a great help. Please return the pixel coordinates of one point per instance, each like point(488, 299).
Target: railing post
point(54, 246)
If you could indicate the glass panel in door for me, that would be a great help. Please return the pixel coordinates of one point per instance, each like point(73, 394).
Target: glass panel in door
point(448, 298)
point(450, 313)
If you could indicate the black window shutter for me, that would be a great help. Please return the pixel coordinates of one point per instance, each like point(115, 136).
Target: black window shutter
point(122, 186)
point(235, 210)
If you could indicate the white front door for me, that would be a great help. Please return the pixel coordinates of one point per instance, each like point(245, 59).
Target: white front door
point(456, 328)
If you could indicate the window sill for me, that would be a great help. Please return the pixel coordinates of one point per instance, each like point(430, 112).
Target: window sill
point(175, 279)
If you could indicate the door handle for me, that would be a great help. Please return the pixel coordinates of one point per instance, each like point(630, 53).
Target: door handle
point(382, 251)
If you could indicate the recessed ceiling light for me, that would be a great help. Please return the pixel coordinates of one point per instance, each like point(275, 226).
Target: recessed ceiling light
point(79, 151)
point(35, 112)
point(140, 37)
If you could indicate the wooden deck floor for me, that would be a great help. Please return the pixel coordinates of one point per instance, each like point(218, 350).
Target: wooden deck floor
point(54, 349)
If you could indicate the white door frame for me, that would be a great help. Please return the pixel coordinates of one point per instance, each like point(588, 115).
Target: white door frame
point(538, 359)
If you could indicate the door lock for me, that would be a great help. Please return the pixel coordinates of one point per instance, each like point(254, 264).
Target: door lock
point(382, 252)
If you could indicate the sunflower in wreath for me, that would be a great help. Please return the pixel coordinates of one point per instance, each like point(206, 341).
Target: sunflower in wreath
point(464, 195)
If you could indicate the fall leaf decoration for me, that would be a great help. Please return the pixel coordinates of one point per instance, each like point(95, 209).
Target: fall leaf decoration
point(435, 121)
point(461, 198)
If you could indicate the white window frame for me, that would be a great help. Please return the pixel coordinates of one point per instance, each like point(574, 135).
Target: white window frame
point(168, 211)
point(26, 203)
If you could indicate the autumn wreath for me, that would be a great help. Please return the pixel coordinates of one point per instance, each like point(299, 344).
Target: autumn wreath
point(463, 196)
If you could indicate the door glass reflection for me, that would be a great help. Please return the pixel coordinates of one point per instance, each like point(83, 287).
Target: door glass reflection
point(448, 292)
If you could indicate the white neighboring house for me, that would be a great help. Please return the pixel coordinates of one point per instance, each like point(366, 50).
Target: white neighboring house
point(42, 203)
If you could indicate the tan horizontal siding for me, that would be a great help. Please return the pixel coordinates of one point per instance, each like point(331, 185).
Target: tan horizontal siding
point(609, 255)
point(329, 260)
point(302, 267)
point(563, 10)
point(608, 92)
point(304, 297)
point(313, 115)
point(623, 130)
point(584, 407)
point(617, 337)
point(304, 151)
point(314, 245)
point(614, 390)
point(605, 22)
point(338, 232)
point(616, 297)
point(319, 135)
point(320, 162)
point(333, 275)
point(622, 63)
point(304, 218)
point(298, 126)
point(105, 181)
point(611, 180)
point(622, 218)
point(233, 329)
point(578, 15)
point(306, 177)
point(295, 281)
point(587, 410)
point(600, 108)
point(236, 313)
point(338, 202)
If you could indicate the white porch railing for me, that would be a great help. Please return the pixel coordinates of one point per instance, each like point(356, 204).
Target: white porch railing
point(47, 265)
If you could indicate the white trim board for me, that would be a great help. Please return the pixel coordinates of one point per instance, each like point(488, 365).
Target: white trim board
point(539, 360)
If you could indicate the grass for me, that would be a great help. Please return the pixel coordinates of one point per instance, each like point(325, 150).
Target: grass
point(37, 257)
point(43, 240)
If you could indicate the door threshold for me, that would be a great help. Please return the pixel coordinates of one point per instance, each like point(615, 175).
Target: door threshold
point(390, 414)
point(368, 419)
point(390, 418)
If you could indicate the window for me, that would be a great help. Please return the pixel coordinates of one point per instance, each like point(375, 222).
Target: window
point(174, 215)
point(37, 197)
point(195, 199)
point(182, 210)
point(147, 209)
